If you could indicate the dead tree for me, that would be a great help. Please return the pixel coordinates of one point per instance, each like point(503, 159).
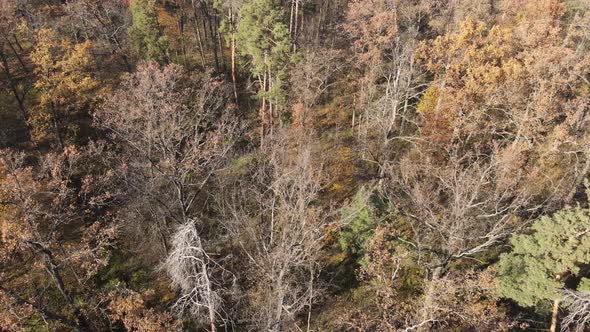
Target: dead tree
point(190, 268)
point(280, 232)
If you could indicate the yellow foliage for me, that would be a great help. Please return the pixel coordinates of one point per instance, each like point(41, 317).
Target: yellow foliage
point(12, 226)
point(470, 68)
point(40, 122)
point(429, 100)
point(343, 165)
point(64, 79)
point(62, 68)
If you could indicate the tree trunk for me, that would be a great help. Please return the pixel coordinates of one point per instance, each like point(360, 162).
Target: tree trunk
point(220, 44)
point(198, 33)
point(262, 108)
point(181, 31)
point(279, 302)
point(310, 303)
point(317, 32)
point(53, 270)
point(425, 312)
point(554, 314)
point(295, 28)
point(579, 179)
point(213, 34)
point(233, 55)
point(270, 104)
point(206, 40)
point(210, 304)
point(18, 57)
point(291, 18)
point(13, 87)
point(55, 118)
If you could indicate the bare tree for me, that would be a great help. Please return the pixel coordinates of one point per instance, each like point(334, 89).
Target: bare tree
point(280, 232)
point(578, 317)
point(465, 181)
point(15, 66)
point(459, 205)
point(315, 74)
point(385, 39)
point(104, 22)
point(177, 132)
point(190, 268)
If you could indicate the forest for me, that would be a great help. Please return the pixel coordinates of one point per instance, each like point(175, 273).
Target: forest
point(294, 165)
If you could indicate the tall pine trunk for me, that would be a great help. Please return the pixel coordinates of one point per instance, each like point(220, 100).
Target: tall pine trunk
point(233, 54)
point(296, 26)
point(198, 33)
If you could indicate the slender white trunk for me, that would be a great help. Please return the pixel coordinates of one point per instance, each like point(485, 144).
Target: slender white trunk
point(554, 314)
point(291, 18)
point(310, 298)
point(296, 24)
point(233, 54)
point(270, 104)
point(262, 108)
point(280, 298)
point(427, 302)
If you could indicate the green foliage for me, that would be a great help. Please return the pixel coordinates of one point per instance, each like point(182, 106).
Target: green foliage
point(262, 35)
point(309, 8)
point(123, 269)
point(584, 285)
point(363, 210)
point(38, 324)
point(263, 38)
point(574, 6)
point(240, 166)
point(145, 31)
point(226, 25)
point(533, 271)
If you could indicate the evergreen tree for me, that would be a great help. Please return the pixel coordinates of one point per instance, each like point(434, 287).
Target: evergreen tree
point(355, 236)
point(263, 38)
point(228, 27)
point(535, 271)
point(145, 31)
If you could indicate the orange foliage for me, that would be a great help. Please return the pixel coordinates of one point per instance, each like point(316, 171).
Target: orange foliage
point(372, 25)
point(64, 81)
point(130, 308)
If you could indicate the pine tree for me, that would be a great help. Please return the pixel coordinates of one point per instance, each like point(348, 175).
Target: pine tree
point(228, 28)
point(145, 31)
point(355, 236)
point(264, 39)
point(534, 272)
